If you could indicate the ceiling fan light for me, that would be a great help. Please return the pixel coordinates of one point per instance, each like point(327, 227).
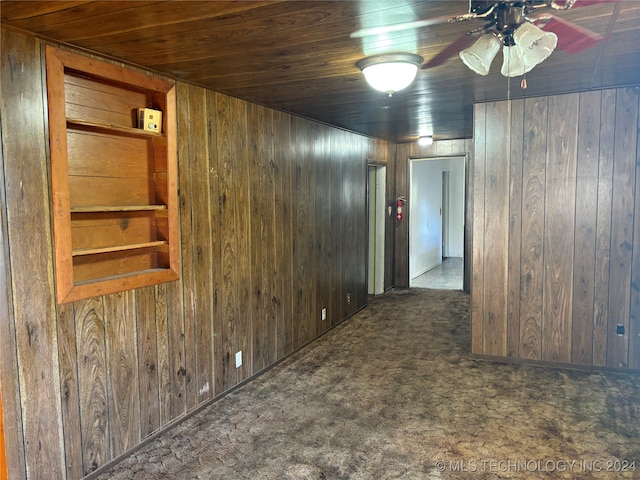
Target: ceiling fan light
point(512, 64)
point(390, 73)
point(478, 57)
point(535, 45)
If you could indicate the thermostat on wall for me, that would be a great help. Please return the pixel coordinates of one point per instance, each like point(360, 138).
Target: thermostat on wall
point(150, 119)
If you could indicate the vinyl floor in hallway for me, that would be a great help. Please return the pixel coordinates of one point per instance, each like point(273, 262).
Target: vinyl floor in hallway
point(393, 393)
point(446, 276)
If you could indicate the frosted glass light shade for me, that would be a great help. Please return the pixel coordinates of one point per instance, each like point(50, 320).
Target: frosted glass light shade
point(535, 45)
point(390, 73)
point(478, 57)
point(512, 64)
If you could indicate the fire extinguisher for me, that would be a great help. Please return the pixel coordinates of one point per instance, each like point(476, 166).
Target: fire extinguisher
point(400, 201)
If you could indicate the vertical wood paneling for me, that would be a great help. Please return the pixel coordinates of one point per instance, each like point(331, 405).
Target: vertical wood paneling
point(148, 360)
point(244, 320)
point(214, 273)
point(120, 367)
point(533, 209)
point(577, 251)
point(12, 418)
point(69, 389)
point(268, 244)
point(29, 235)
point(603, 228)
point(303, 230)
point(201, 293)
point(478, 248)
point(634, 314)
point(228, 259)
point(515, 227)
point(175, 322)
point(322, 237)
point(496, 184)
point(92, 379)
point(258, 227)
point(624, 176)
point(282, 219)
point(164, 363)
point(338, 159)
point(585, 238)
point(122, 372)
point(186, 176)
point(560, 194)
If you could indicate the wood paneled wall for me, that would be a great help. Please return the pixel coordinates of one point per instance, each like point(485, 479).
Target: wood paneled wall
point(405, 152)
point(273, 229)
point(556, 245)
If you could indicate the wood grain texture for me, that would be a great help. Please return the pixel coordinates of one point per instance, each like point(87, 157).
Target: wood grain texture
point(585, 233)
point(516, 152)
point(533, 211)
point(603, 228)
point(30, 240)
point(186, 177)
point(122, 372)
point(215, 246)
point(92, 381)
point(148, 371)
point(622, 205)
point(496, 184)
point(13, 440)
point(164, 364)
point(478, 247)
point(634, 313)
point(241, 197)
point(133, 358)
point(283, 210)
point(67, 352)
point(229, 254)
point(560, 197)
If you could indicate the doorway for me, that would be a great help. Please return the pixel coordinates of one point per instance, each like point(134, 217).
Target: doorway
point(436, 222)
point(376, 202)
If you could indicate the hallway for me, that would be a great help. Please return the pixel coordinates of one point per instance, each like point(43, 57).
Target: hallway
point(393, 393)
point(446, 276)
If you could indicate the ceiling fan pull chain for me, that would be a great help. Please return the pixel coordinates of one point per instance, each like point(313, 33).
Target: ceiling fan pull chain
point(523, 83)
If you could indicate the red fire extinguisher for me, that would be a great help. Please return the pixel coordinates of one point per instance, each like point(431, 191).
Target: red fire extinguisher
point(400, 201)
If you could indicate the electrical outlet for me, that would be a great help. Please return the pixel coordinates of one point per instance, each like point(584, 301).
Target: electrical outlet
point(324, 314)
point(348, 299)
point(239, 359)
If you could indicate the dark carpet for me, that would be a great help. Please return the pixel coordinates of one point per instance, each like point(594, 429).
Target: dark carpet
point(393, 393)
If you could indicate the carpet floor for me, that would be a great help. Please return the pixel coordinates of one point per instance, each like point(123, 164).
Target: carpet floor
point(393, 393)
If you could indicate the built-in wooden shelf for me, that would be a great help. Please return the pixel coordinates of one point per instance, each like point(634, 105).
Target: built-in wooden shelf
point(117, 248)
point(111, 129)
point(117, 208)
point(114, 186)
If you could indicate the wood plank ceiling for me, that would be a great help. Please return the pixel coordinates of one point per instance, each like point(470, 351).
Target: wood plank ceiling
point(299, 57)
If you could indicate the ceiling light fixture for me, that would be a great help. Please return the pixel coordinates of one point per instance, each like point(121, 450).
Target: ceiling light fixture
point(523, 48)
point(425, 141)
point(390, 73)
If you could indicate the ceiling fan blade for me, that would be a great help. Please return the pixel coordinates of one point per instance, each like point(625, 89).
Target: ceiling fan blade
point(371, 31)
point(588, 3)
point(450, 51)
point(572, 38)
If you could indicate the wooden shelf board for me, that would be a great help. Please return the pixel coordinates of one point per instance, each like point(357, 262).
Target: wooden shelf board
point(117, 208)
point(117, 248)
point(108, 128)
point(151, 271)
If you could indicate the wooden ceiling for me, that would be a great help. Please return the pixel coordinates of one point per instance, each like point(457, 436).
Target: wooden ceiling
point(299, 57)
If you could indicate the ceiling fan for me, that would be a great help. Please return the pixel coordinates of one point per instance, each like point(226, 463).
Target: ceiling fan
point(522, 28)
